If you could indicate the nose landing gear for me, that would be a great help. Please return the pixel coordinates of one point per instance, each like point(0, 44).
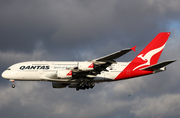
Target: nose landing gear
point(13, 85)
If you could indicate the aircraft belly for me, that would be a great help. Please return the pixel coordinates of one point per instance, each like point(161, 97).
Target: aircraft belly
point(27, 76)
point(112, 74)
point(106, 76)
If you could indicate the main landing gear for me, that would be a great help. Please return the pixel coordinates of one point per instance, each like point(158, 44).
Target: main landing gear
point(85, 86)
point(13, 85)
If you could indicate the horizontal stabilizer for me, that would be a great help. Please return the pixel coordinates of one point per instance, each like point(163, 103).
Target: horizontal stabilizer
point(158, 65)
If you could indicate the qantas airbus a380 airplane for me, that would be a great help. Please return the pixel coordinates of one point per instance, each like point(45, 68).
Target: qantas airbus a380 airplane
point(84, 75)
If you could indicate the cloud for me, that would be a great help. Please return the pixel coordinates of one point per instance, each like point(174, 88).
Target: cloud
point(75, 23)
point(83, 30)
point(164, 106)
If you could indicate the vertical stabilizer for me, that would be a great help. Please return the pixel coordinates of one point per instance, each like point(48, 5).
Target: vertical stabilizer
point(151, 53)
point(148, 56)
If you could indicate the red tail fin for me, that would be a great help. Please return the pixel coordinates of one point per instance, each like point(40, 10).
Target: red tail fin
point(151, 53)
point(148, 56)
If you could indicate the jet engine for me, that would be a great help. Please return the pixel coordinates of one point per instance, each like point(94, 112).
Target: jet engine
point(64, 74)
point(59, 85)
point(86, 66)
point(73, 85)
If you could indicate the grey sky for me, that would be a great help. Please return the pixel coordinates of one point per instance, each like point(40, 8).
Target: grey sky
point(84, 30)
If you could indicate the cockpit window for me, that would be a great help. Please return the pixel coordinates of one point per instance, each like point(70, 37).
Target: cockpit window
point(8, 69)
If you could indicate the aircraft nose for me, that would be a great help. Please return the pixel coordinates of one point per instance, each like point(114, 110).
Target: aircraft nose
point(5, 74)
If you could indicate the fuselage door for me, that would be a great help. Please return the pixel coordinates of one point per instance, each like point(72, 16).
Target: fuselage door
point(128, 72)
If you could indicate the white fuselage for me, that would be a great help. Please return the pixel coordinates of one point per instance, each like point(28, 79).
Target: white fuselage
point(47, 71)
point(84, 75)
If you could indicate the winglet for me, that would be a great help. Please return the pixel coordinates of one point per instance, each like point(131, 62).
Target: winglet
point(134, 48)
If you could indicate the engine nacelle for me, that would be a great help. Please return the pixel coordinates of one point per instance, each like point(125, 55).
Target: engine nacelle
point(59, 85)
point(86, 66)
point(64, 74)
point(73, 86)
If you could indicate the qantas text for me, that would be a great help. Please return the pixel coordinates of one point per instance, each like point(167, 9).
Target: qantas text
point(34, 67)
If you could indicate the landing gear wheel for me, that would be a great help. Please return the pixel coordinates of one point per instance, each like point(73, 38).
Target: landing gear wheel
point(13, 86)
point(83, 86)
point(92, 85)
point(77, 89)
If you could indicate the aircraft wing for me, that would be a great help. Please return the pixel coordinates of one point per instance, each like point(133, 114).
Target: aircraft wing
point(100, 64)
point(115, 55)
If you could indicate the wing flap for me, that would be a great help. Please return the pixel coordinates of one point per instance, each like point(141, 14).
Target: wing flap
point(158, 65)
